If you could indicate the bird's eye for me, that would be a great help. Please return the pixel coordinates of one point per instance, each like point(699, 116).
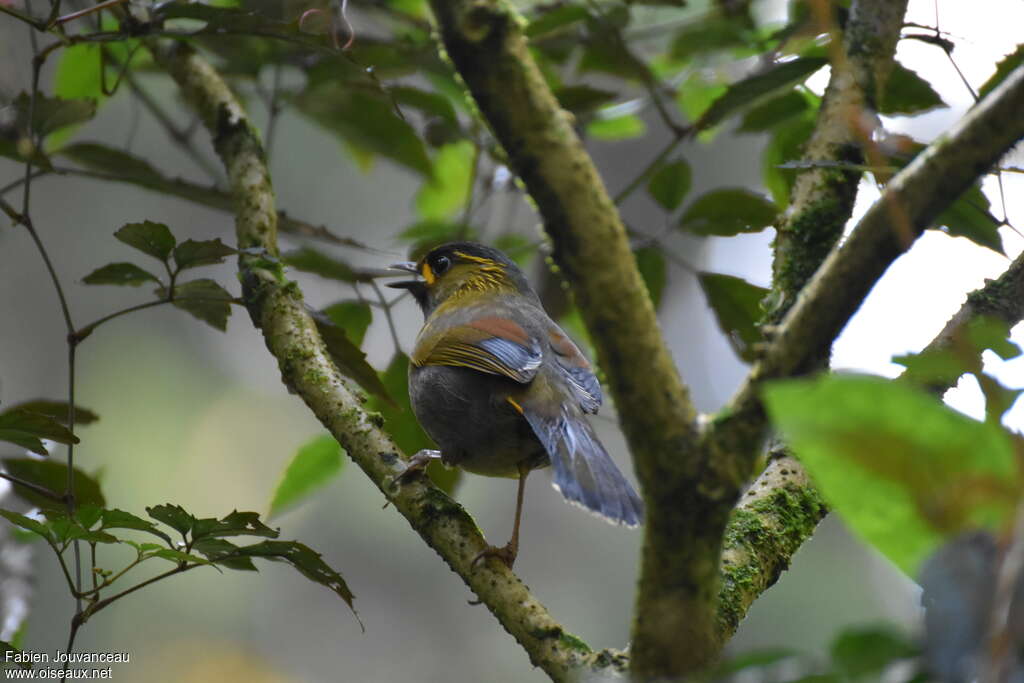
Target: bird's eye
point(441, 264)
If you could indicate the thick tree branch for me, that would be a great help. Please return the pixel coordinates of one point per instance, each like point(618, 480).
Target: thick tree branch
point(277, 309)
point(782, 508)
point(485, 42)
point(910, 203)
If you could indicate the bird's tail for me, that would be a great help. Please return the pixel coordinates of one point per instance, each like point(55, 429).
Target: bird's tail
point(584, 472)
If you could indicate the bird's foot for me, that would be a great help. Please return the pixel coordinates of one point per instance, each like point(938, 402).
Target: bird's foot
point(506, 553)
point(417, 463)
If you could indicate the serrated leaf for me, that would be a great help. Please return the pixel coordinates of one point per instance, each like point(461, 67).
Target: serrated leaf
point(746, 91)
point(354, 317)
point(316, 462)
point(448, 189)
point(401, 424)
point(27, 428)
point(148, 237)
point(52, 476)
point(969, 217)
point(903, 470)
point(58, 410)
point(178, 556)
point(306, 560)
point(235, 524)
point(192, 254)
point(728, 212)
point(670, 183)
point(119, 519)
point(650, 261)
point(907, 93)
point(1003, 69)
point(173, 516)
point(223, 553)
point(770, 113)
point(737, 307)
point(617, 127)
point(349, 358)
point(65, 530)
point(204, 299)
point(26, 523)
point(120, 274)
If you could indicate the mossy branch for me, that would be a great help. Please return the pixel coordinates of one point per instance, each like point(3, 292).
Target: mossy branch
point(277, 308)
point(910, 203)
point(782, 508)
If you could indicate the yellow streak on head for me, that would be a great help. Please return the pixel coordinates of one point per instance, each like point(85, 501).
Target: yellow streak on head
point(478, 259)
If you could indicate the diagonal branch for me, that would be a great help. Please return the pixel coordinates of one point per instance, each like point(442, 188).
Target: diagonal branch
point(277, 309)
point(913, 199)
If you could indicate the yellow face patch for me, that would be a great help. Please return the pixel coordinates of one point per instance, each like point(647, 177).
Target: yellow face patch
point(427, 273)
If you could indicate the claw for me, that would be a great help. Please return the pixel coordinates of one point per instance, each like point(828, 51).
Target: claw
point(417, 463)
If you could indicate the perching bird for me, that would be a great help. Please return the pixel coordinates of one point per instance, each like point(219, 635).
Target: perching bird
point(500, 387)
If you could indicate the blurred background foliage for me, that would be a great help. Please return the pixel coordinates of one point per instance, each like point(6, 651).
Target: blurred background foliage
point(695, 113)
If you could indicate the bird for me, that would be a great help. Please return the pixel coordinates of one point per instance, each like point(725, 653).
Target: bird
point(502, 389)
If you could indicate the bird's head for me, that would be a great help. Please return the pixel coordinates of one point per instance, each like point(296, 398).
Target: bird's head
point(461, 270)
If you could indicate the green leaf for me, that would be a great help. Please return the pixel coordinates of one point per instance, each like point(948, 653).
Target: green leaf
point(120, 166)
point(696, 94)
point(307, 561)
point(235, 524)
point(554, 18)
point(969, 217)
point(401, 423)
point(310, 260)
point(192, 254)
point(963, 354)
point(119, 519)
point(313, 466)
point(583, 99)
point(785, 145)
point(907, 93)
point(27, 523)
point(51, 113)
point(617, 127)
point(173, 516)
point(752, 660)
point(737, 307)
point(65, 529)
point(861, 652)
point(178, 556)
point(774, 111)
point(58, 410)
point(1003, 69)
point(366, 122)
point(52, 476)
point(711, 34)
point(349, 358)
point(120, 274)
point(670, 183)
point(354, 317)
point(148, 237)
point(903, 470)
point(650, 261)
point(223, 553)
point(447, 191)
point(746, 91)
point(79, 75)
point(27, 428)
point(729, 212)
point(204, 299)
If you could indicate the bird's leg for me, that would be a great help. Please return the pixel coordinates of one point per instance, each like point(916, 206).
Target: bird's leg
point(417, 463)
point(507, 553)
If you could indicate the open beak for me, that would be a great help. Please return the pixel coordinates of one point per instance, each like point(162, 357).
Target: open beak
point(406, 267)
